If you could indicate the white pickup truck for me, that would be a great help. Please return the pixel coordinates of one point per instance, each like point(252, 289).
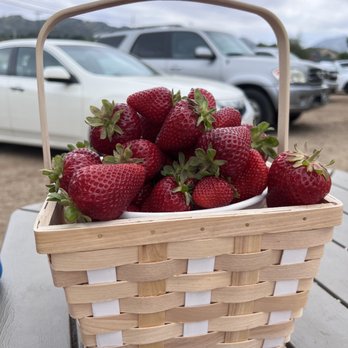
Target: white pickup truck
point(221, 56)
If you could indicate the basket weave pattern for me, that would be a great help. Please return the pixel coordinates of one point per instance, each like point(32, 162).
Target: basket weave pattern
point(153, 281)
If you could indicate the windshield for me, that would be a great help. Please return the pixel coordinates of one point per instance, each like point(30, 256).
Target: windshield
point(229, 45)
point(107, 61)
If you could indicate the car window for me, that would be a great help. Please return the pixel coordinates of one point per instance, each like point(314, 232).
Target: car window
point(114, 41)
point(4, 60)
point(229, 45)
point(152, 45)
point(184, 44)
point(106, 60)
point(26, 61)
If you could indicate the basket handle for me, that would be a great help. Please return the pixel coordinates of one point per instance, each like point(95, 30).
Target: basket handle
point(268, 16)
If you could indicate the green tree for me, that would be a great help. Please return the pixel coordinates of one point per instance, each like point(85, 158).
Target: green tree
point(297, 49)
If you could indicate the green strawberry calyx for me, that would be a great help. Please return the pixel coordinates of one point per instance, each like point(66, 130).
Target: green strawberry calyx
point(176, 97)
point(71, 213)
point(106, 118)
point(80, 145)
point(310, 161)
point(55, 173)
point(200, 107)
point(263, 142)
point(122, 154)
point(205, 163)
point(182, 172)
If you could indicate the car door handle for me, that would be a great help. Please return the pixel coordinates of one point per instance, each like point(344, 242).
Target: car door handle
point(17, 89)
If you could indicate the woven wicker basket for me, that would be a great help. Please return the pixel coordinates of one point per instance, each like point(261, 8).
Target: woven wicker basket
point(234, 279)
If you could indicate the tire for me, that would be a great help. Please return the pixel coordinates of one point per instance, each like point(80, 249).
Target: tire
point(345, 88)
point(264, 110)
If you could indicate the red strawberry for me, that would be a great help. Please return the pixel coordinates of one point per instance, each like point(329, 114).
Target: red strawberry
point(206, 94)
point(64, 166)
point(75, 160)
point(103, 192)
point(112, 124)
point(212, 192)
point(252, 181)
point(154, 104)
point(185, 124)
point(297, 178)
point(140, 151)
point(149, 130)
point(232, 144)
point(227, 117)
point(140, 198)
point(179, 130)
point(166, 197)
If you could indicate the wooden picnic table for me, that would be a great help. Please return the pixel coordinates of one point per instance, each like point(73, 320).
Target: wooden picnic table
point(33, 313)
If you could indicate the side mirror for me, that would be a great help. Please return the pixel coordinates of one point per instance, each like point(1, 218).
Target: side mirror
point(58, 74)
point(204, 53)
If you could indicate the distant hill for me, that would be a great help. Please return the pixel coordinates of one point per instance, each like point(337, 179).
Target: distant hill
point(18, 27)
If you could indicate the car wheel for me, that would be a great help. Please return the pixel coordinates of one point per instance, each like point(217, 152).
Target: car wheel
point(345, 88)
point(262, 106)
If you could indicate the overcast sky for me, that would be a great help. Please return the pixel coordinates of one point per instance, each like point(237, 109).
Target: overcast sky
point(308, 20)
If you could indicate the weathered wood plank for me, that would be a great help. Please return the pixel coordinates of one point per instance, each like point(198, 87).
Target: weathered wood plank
point(324, 322)
point(333, 271)
point(340, 178)
point(341, 232)
point(33, 311)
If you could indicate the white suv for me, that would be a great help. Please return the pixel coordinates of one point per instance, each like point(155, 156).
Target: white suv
point(79, 74)
point(221, 56)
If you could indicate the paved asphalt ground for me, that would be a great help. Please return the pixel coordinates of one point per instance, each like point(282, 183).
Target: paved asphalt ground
point(21, 182)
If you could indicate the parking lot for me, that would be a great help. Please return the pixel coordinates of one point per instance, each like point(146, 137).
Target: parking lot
point(22, 183)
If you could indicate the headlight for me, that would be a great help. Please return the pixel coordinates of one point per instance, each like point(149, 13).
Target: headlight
point(296, 76)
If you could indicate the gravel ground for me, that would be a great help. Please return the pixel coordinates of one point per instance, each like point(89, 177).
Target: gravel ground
point(22, 183)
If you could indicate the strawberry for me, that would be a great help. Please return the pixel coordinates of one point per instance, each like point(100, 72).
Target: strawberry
point(179, 130)
point(185, 124)
point(252, 181)
point(166, 196)
point(153, 104)
point(149, 130)
point(232, 144)
point(140, 198)
point(65, 165)
point(140, 151)
point(227, 117)
point(75, 160)
point(212, 192)
point(193, 94)
point(173, 192)
point(297, 178)
point(102, 192)
point(112, 124)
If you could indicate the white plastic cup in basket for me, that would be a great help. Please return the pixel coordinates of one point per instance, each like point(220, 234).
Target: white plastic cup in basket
point(236, 276)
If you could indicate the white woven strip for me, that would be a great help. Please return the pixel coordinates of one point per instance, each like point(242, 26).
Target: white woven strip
point(284, 287)
point(106, 308)
point(197, 298)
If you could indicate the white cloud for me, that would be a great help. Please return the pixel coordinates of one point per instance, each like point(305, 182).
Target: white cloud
point(311, 20)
